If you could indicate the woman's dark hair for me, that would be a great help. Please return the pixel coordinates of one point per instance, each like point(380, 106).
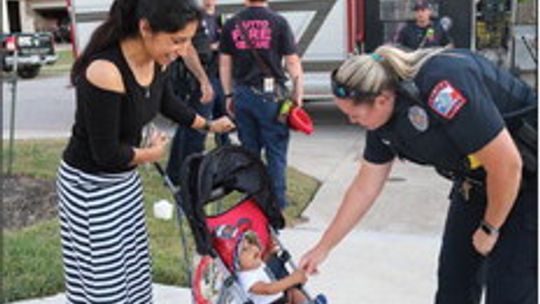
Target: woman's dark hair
point(123, 22)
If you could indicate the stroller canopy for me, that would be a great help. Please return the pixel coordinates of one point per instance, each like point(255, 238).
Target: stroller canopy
point(208, 177)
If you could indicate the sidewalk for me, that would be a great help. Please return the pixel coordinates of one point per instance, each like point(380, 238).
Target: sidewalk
point(391, 257)
point(162, 295)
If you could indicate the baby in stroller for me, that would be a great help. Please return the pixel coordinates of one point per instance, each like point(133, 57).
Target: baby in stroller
point(234, 244)
point(265, 287)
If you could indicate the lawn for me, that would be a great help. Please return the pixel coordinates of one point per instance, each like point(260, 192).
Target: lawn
point(61, 66)
point(32, 257)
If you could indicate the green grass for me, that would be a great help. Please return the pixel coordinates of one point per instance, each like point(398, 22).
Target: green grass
point(61, 66)
point(32, 262)
point(32, 256)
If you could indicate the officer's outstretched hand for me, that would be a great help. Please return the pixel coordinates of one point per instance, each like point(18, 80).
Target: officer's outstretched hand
point(311, 260)
point(483, 242)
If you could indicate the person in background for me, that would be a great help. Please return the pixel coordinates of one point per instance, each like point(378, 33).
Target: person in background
point(121, 84)
point(192, 85)
point(253, 44)
point(213, 23)
point(424, 31)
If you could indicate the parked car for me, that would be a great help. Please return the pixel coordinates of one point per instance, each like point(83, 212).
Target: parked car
point(32, 50)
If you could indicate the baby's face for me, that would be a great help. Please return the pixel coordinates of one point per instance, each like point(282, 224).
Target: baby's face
point(250, 256)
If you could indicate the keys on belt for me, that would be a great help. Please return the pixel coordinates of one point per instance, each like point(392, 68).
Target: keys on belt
point(465, 190)
point(467, 186)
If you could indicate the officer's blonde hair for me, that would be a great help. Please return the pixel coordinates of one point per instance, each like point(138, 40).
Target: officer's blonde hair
point(382, 69)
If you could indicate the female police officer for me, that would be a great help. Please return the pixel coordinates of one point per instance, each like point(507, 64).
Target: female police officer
point(453, 110)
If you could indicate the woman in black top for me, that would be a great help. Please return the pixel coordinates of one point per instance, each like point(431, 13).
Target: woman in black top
point(120, 86)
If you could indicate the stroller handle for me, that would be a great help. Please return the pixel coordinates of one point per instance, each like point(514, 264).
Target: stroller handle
point(166, 177)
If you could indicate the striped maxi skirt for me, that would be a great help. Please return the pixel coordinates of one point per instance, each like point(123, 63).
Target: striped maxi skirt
point(104, 238)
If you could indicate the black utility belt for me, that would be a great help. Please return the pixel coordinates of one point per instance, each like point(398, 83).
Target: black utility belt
point(472, 188)
point(264, 84)
point(276, 96)
point(259, 91)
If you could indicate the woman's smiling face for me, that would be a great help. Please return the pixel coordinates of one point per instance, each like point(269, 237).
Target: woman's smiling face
point(166, 47)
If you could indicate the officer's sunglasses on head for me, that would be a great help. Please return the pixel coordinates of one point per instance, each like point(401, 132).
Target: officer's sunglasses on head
point(340, 90)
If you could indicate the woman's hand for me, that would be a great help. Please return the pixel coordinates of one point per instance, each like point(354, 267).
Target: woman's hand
point(483, 242)
point(222, 125)
point(312, 259)
point(158, 144)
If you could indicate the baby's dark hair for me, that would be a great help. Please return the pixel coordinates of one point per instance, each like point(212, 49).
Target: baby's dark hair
point(251, 238)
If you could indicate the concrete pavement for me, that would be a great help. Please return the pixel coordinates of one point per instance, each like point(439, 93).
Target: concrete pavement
point(391, 256)
point(44, 109)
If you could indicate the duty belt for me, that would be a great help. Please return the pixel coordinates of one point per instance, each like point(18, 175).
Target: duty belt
point(468, 186)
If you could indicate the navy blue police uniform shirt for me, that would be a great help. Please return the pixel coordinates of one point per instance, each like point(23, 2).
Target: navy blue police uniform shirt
point(272, 38)
point(462, 96)
point(412, 36)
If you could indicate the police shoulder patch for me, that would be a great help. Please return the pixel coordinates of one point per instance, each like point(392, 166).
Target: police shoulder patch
point(446, 100)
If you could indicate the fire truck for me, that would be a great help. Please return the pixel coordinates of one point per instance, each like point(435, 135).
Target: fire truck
point(328, 31)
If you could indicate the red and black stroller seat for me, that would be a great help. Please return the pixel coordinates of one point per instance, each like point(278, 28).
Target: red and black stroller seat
point(210, 177)
point(207, 178)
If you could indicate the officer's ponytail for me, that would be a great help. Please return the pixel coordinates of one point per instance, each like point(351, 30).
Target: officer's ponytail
point(405, 65)
point(123, 22)
point(382, 69)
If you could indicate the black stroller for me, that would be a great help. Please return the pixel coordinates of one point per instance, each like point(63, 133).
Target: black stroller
point(208, 178)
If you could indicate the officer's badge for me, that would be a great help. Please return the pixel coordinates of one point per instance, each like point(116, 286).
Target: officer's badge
point(446, 100)
point(419, 118)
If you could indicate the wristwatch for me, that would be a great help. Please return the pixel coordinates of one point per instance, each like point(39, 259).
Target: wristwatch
point(488, 228)
point(230, 95)
point(207, 125)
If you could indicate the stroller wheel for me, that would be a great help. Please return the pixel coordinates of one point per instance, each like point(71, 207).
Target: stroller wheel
point(207, 286)
point(207, 281)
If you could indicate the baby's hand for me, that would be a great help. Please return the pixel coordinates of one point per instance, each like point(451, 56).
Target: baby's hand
point(274, 246)
point(299, 276)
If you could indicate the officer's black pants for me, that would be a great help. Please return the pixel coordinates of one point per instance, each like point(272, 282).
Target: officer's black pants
point(509, 272)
